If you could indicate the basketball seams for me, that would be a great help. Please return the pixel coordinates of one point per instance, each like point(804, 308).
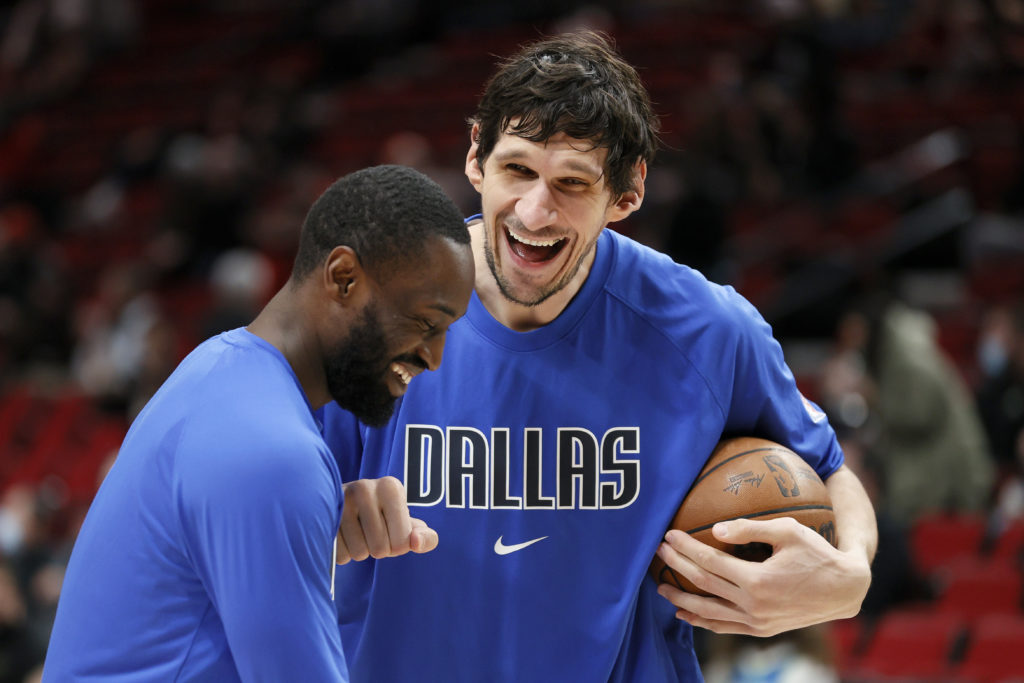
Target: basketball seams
point(740, 455)
point(811, 507)
point(762, 513)
point(667, 575)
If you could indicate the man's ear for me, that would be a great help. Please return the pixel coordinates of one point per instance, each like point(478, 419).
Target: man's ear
point(344, 278)
point(630, 201)
point(473, 170)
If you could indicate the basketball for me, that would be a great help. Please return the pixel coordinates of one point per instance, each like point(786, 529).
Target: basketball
point(752, 478)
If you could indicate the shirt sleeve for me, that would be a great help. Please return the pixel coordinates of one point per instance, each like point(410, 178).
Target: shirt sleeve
point(344, 436)
point(260, 519)
point(766, 401)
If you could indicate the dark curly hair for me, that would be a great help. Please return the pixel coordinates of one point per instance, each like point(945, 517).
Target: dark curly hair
point(384, 213)
point(576, 84)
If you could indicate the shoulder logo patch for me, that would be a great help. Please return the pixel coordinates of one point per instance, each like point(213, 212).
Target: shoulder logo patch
point(813, 411)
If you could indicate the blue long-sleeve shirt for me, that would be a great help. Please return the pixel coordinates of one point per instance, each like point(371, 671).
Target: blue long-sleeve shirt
point(207, 554)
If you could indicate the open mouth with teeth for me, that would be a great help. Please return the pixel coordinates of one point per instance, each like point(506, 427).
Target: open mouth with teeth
point(534, 251)
point(402, 373)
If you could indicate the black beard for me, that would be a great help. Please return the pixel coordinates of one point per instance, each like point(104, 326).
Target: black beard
point(356, 372)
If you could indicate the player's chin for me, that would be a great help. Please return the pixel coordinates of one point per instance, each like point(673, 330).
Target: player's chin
point(375, 414)
point(376, 420)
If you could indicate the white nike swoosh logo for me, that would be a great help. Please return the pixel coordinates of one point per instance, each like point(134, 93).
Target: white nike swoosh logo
point(503, 549)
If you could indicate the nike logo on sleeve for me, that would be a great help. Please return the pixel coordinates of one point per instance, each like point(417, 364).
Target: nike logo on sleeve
point(503, 549)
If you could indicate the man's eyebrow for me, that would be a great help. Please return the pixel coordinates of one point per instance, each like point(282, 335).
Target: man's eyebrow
point(585, 169)
point(569, 164)
point(445, 309)
point(508, 155)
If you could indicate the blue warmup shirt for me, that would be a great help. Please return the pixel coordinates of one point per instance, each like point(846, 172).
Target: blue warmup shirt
point(207, 552)
point(551, 463)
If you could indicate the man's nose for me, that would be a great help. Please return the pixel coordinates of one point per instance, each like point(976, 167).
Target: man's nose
point(431, 351)
point(536, 208)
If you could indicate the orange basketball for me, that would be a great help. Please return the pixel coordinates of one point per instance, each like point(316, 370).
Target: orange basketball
point(756, 479)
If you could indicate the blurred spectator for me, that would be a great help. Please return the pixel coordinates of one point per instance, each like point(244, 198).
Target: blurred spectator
point(47, 46)
point(272, 119)
point(796, 87)
point(211, 177)
point(697, 226)
point(1012, 202)
point(930, 442)
point(27, 549)
point(35, 303)
point(18, 260)
point(992, 350)
point(729, 132)
point(36, 28)
point(241, 281)
point(114, 332)
point(853, 26)
point(357, 34)
point(801, 656)
point(1009, 504)
point(281, 205)
point(1001, 393)
point(136, 159)
point(586, 17)
point(846, 389)
point(951, 43)
point(409, 148)
point(16, 648)
point(158, 359)
point(895, 580)
point(1001, 403)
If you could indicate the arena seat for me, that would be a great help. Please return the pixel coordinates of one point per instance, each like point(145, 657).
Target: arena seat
point(847, 638)
point(912, 643)
point(994, 651)
point(937, 539)
point(973, 587)
point(1009, 542)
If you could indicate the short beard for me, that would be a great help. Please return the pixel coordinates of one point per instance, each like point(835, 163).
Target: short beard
point(356, 371)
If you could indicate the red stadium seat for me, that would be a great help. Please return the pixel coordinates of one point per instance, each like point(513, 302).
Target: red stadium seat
point(974, 587)
point(1009, 543)
point(995, 651)
point(13, 407)
point(846, 637)
point(940, 538)
point(910, 643)
point(48, 445)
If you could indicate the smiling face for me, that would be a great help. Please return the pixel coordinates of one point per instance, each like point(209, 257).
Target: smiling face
point(544, 206)
point(400, 331)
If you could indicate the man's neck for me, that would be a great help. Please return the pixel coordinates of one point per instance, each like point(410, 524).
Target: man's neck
point(281, 324)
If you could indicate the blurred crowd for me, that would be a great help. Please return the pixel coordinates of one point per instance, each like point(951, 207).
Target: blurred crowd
point(184, 230)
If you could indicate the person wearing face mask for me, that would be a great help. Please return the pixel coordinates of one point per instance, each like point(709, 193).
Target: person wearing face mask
point(1001, 392)
point(1000, 399)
